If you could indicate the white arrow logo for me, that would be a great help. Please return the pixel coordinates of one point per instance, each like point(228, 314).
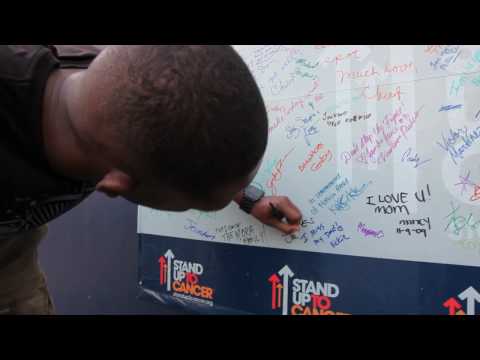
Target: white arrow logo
point(169, 256)
point(472, 296)
point(286, 273)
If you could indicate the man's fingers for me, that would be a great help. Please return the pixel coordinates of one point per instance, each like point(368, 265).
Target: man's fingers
point(285, 228)
point(291, 212)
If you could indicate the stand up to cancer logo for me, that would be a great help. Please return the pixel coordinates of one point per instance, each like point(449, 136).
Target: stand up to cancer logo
point(182, 278)
point(454, 306)
point(296, 296)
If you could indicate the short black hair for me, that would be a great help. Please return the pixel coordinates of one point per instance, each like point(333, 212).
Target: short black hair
point(192, 116)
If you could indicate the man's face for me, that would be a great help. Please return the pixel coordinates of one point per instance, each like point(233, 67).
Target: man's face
point(163, 198)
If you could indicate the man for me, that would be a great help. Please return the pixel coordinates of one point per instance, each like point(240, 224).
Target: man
point(168, 127)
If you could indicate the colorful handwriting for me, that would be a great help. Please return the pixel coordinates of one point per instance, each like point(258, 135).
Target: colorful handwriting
point(317, 233)
point(387, 133)
point(355, 75)
point(457, 223)
point(382, 95)
point(447, 57)
point(306, 130)
point(410, 156)
point(362, 228)
point(450, 107)
point(343, 201)
point(323, 190)
point(338, 198)
point(339, 239)
point(193, 227)
point(323, 158)
point(305, 74)
point(305, 63)
point(464, 182)
point(459, 82)
point(399, 68)
point(277, 173)
point(372, 71)
point(316, 84)
point(342, 57)
point(458, 141)
point(331, 233)
point(476, 193)
point(282, 112)
point(433, 49)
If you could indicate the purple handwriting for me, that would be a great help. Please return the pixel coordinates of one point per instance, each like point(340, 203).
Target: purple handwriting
point(369, 232)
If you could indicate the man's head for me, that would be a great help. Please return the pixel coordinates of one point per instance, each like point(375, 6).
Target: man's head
point(174, 127)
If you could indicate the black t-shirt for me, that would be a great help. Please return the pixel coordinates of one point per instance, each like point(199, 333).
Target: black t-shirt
point(31, 193)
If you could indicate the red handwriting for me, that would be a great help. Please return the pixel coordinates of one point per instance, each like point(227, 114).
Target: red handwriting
point(433, 49)
point(373, 71)
point(286, 109)
point(476, 193)
point(277, 173)
point(357, 74)
point(382, 95)
point(342, 57)
point(324, 157)
point(316, 84)
point(399, 68)
point(377, 146)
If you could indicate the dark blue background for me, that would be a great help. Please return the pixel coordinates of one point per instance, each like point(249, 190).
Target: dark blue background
point(239, 275)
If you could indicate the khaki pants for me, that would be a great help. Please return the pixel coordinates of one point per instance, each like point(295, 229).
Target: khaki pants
point(23, 288)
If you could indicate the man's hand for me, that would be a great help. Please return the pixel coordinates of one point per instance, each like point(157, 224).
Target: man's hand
point(263, 212)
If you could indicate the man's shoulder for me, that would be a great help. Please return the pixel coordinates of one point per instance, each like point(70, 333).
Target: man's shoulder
point(76, 56)
point(79, 50)
point(16, 61)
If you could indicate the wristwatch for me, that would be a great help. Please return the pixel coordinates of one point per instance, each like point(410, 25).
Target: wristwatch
point(251, 195)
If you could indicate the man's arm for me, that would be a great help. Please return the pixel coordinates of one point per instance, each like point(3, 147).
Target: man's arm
point(262, 211)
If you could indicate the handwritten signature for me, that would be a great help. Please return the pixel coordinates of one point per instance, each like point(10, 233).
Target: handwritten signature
point(342, 203)
point(193, 227)
point(277, 173)
point(456, 142)
point(457, 223)
point(369, 232)
point(410, 156)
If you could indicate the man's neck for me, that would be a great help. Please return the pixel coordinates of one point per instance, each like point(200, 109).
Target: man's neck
point(61, 143)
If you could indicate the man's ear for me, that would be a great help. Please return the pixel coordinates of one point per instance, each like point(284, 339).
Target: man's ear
point(115, 183)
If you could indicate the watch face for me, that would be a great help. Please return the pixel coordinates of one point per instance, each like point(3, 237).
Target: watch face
point(253, 193)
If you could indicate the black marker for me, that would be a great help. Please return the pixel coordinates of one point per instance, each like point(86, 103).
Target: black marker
point(277, 214)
